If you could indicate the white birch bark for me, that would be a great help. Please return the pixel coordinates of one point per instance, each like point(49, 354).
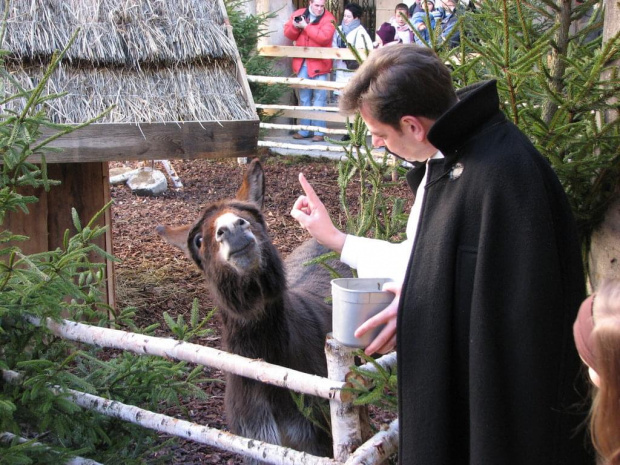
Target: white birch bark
point(345, 418)
point(258, 450)
point(378, 448)
point(179, 350)
point(176, 181)
point(255, 449)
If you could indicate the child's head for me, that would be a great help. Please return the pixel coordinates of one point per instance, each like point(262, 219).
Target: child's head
point(400, 10)
point(449, 4)
point(385, 34)
point(597, 336)
point(430, 5)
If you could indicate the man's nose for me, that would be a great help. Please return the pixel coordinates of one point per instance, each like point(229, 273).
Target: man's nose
point(377, 141)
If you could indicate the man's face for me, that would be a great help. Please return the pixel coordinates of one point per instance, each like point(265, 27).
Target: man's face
point(317, 7)
point(401, 143)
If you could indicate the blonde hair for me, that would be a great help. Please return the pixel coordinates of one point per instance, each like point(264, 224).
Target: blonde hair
point(605, 413)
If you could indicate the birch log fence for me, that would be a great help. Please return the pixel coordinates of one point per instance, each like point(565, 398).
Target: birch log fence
point(346, 422)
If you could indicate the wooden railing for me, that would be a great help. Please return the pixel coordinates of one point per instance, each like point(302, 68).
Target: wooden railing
point(328, 114)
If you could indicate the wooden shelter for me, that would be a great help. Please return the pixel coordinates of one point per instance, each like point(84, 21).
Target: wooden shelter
point(170, 70)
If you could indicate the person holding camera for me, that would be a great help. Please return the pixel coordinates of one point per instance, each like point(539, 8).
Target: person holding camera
point(311, 27)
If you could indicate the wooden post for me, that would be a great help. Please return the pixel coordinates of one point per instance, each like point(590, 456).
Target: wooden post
point(345, 417)
point(85, 187)
point(604, 258)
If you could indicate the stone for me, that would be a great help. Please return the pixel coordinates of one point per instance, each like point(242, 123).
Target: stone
point(148, 182)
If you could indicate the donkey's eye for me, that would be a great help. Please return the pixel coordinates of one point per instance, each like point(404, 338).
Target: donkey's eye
point(198, 241)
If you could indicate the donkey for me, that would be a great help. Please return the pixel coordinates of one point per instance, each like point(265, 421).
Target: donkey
point(270, 310)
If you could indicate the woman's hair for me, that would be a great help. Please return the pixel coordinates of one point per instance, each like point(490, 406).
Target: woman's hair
point(605, 419)
point(397, 81)
point(355, 10)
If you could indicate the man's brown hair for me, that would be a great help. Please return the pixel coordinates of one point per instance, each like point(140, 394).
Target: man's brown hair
point(400, 80)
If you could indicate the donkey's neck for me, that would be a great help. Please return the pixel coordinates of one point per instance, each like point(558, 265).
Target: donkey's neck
point(265, 336)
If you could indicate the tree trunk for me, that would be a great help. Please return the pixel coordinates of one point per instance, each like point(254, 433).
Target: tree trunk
point(605, 249)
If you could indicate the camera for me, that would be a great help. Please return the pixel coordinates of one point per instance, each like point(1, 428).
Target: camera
point(298, 19)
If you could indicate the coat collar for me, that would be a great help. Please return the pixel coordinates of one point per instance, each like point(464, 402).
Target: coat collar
point(415, 175)
point(477, 105)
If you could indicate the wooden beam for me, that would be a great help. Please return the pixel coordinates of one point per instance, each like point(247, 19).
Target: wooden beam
point(191, 140)
point(306, 52)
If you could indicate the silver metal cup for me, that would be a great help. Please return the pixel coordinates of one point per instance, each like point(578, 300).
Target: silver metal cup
point(354, 301)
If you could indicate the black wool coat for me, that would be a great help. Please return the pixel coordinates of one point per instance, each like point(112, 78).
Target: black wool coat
point(487, 369)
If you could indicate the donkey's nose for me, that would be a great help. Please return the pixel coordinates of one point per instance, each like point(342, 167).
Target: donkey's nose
point(226, 228)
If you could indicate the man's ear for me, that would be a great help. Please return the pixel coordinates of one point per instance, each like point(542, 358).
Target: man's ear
point(416, 126)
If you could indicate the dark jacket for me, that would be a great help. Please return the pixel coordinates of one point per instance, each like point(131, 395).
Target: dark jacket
point(487, 370)
point(318, 33)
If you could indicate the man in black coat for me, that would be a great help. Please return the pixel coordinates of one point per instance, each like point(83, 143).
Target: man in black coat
point(487, 371)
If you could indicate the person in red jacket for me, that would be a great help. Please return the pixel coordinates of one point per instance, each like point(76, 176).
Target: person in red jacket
point(311, 27)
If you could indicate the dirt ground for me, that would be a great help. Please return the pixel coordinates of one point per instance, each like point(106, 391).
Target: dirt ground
point(156, 278)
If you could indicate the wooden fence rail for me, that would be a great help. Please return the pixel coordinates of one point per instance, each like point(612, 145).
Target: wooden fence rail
point(328, 114)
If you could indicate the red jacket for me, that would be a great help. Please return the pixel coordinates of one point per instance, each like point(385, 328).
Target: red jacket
point(317, 34)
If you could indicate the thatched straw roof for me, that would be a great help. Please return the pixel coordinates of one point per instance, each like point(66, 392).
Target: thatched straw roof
point(156, 60)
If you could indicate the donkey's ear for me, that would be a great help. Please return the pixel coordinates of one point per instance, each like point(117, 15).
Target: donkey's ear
point(253, 187)
point(176, 237)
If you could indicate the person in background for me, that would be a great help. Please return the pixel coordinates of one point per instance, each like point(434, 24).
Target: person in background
point(447, 14)
point(420, 20)
point(415, 7)
point(311, 27)
point(482, 315)
point(399, 21)
point(356, 35)
point(597, 337)
point(386, 35)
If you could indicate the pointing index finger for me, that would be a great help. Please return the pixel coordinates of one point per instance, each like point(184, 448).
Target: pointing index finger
point(309, 191)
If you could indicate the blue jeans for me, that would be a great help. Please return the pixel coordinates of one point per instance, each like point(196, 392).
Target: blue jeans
point(312, 98)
